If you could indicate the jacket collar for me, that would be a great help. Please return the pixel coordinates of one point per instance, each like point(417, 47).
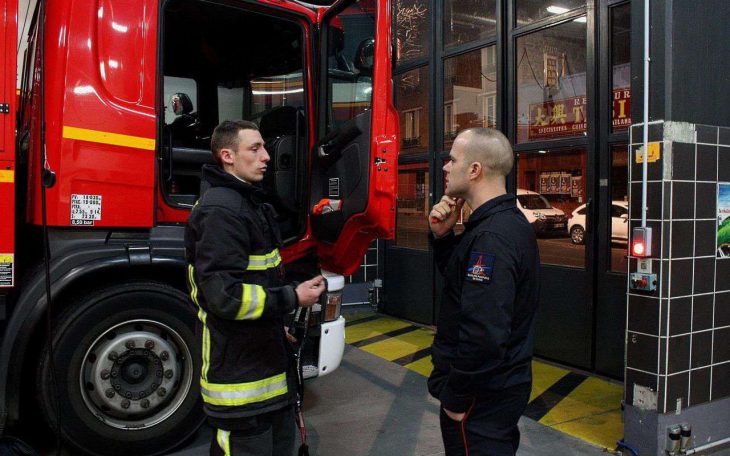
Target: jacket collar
point(214, 176)
point(494, 205)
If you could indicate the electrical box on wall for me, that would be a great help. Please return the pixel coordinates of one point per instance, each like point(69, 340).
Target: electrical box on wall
point(642, 281)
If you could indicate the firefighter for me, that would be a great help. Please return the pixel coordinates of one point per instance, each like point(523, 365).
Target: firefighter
point(236, 282)
point(483, 347)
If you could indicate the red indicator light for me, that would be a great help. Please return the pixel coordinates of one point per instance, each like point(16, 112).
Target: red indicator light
point(638, 249)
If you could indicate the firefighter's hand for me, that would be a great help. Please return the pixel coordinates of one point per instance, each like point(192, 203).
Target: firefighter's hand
point(444, 215)
point(308, 292)
point(455, 416)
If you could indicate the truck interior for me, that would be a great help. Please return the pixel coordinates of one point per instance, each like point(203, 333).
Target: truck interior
point(221, 62)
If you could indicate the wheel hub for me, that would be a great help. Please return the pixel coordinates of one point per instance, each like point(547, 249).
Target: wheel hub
point(128, 382)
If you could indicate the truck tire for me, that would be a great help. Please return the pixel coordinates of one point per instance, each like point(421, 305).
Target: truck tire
point(126, 371)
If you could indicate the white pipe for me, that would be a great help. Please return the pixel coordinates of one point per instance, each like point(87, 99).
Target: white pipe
point(645, 164)
point(707, 446)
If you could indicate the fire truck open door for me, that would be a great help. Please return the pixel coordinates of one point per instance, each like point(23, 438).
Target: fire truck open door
point(354, 164)
point(8, 62)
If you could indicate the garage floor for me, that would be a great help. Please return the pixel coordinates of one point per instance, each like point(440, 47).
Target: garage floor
point(376, 403)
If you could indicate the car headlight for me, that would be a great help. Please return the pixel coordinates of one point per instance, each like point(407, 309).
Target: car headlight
point(332, 305)
point(539, 215)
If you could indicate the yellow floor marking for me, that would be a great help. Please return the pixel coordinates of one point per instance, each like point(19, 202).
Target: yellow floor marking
point(373, 328)
point(592, 412)
point(544, 376)
point(423, 366)
point(603, 429)
point(402, 345)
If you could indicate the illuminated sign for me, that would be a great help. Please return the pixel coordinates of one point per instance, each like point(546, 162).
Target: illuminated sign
point(567, 117)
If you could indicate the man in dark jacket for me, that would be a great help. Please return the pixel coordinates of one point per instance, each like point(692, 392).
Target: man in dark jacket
point(235, 279)
point(483, 347)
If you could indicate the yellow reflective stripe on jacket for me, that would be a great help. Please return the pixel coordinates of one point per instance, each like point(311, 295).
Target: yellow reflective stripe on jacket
point(203, 317)
point(253, 298)
point(243, 393)
point(223, 439)
point(263, 262)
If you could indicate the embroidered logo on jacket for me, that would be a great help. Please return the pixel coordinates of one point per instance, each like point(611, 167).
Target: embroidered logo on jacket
point(480, 266)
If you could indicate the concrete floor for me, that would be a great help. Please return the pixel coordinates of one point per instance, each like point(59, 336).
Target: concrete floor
point(370, 406)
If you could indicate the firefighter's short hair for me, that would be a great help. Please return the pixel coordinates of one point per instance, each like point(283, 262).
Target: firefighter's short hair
point(225, 136)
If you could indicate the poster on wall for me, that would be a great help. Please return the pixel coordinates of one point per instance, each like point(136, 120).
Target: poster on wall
point(723, 220)
point(576, 187)
point(554, 186)
point(544, 182)
point(565, 183)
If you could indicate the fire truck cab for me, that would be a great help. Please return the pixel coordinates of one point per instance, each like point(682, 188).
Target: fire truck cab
point(102, 150)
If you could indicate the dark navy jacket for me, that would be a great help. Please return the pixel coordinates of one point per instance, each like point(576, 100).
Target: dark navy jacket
point(486, 326)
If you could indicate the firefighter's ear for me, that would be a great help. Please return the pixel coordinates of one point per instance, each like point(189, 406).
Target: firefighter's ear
point(227, 156)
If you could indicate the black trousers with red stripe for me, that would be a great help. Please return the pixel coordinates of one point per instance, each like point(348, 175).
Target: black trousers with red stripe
point(490, 426)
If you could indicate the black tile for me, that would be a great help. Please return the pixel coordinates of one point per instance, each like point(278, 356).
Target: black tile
point(656, 132)
point(705, 231)
point(680, 312)
point(706, 134)
point(358, 276)
point(682, 239)
point(683, 161)
point(636, 134)
point(643, 315)
point(656, 238)
point(642, 352)
point(663, 356)
point(701, 349)
point(720, 385)
point(681, 278)
point(666, 240)
point(706, 163)
point(653, 200)
point(699, 389)
point(725, 136)
point(677, 389)
point(722, 309)
point(707, 201)
point(722, 274)
point(638, 378)
point(683, 198)
point(704, 277)
point(723, 164)
point(702, 312)
point(664, 283)
point(667, 200)
point(663, 319)
point(679, 353)
point(721, 345)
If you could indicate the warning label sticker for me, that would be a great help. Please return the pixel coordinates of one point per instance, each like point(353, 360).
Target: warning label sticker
point(85, 209)
point(6, 270)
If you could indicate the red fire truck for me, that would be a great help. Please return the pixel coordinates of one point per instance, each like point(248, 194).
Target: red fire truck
point(100, 162)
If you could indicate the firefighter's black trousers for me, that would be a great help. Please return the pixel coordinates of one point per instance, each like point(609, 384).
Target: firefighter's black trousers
point(268, 434)
point(490, 426)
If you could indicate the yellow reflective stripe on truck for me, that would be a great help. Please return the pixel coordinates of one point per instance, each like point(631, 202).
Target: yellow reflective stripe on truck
point(105, 137)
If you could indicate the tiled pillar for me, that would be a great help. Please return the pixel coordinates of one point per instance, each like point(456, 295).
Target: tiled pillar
point(678, 337)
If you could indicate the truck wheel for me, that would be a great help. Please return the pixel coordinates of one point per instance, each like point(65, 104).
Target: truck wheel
point(127, 371)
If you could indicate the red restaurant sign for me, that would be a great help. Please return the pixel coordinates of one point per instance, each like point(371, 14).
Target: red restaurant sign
point(567, 117)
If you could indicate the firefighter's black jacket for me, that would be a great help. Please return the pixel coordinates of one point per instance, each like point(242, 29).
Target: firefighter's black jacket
point(235, 280)
point(486, 324)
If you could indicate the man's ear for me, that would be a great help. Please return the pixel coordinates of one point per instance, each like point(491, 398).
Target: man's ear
point(227, 156)
point(475, 169)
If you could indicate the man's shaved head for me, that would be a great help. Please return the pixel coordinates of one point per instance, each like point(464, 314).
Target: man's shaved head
point(488, 147)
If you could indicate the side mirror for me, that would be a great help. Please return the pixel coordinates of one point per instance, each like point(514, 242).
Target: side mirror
point(365, 56)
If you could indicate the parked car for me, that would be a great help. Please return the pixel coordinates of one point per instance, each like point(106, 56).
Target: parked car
point(619, 223)
point(538, 211)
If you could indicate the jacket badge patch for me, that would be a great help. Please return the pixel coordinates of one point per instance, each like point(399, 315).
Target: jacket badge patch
point(480, 266)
